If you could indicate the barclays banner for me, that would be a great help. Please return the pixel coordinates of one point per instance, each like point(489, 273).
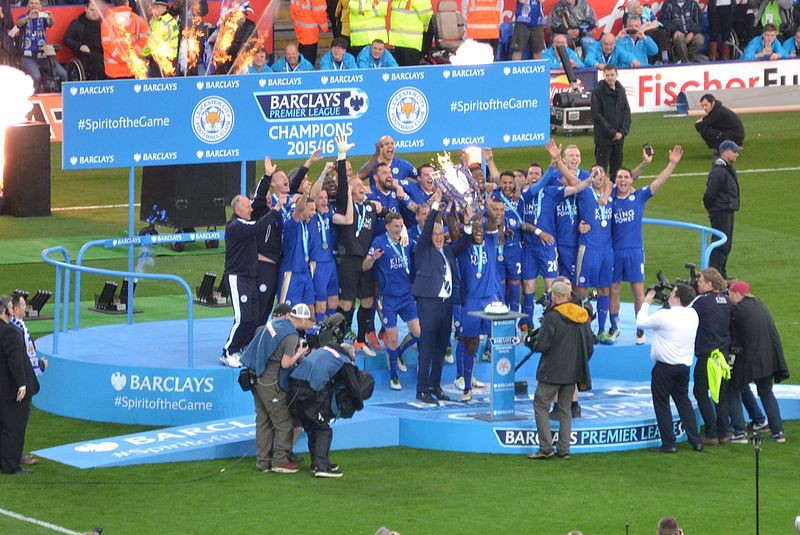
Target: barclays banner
point(234, 118)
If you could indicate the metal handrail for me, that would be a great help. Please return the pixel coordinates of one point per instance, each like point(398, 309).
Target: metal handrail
point(129, 274)
point(705, 249)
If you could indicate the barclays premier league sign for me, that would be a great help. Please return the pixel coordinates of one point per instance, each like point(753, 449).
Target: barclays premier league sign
point(127, 123)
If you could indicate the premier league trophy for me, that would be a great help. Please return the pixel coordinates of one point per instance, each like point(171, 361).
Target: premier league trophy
point(456, 183)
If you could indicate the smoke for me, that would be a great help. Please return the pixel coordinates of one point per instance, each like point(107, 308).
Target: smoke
point(473, 53)
point(15, 92)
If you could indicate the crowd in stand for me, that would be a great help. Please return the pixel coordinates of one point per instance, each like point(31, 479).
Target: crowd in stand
point(117, 41)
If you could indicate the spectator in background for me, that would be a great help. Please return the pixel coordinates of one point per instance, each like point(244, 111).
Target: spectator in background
point(341, 25)
point(720, 123)
point(681, 18)
point(309, 18)
point(7, 49)
point(551, 55)
point(292, 61)
point(162, 43)
point(375, 56)
point(409, 20)
point(482, 19)
point(765, 46)
point(83, 38)
point(608, 53)
point(123, 33)
point(792, 44)
point(528, 29)
point(760, 359)
point(33, 40)
point(259, 64)
point(611, 115)
point(576, 19)
point(720, 20)
point(778, 13)
point(367, 23)
point(337, 58)
point(633, 40)
point(651, 27)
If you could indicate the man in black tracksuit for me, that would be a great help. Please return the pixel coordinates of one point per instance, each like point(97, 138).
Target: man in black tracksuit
point(721, 200)
point(719, 123)
point(611, 116)
point(241, 269)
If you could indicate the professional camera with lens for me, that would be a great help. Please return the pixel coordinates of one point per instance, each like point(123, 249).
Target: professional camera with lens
point(328, 332)
point(662, 289)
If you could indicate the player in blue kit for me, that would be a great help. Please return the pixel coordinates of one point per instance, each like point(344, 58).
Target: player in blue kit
point(385, 153)
point(567, 217)
point(509, 253)
point(626, 233)
point(295, 281)
point(389, 196)
point(477, 264)
point(595, 264)
point(420, 192)
point(390, 261)
point(322, 244)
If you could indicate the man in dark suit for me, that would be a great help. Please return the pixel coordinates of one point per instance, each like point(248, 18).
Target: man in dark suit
point(18, 384)
point(436, 269)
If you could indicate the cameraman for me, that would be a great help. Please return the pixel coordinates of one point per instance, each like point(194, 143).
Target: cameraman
point(273, 350)
point(674, 334)
point(313, 383)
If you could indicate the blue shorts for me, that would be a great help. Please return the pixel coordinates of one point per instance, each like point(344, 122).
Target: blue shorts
point(295, 288)
point(628, 265)
point(326, 280)
point(510, 268)
point(539, 261)
point(457, 318)
point(567, 258)
point(472, 326)
point(594, 267)
point(391, 307)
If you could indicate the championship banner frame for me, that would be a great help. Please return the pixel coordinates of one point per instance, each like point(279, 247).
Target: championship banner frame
point(126, 123)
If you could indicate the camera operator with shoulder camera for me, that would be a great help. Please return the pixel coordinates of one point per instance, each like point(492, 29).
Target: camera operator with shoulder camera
point(674, 330)
point(566, 342)
point(326, 372)
point(276, 348)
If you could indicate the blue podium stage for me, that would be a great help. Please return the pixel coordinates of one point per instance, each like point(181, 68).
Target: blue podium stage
point(138, 374)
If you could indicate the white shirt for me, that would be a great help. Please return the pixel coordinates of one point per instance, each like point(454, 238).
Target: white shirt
point(447, 286)
point(674, 330)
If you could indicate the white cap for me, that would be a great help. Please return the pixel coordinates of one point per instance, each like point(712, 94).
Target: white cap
point(301, 312)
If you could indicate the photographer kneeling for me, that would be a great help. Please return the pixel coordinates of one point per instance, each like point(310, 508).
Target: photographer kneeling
point(326, 372)
point(274, 349)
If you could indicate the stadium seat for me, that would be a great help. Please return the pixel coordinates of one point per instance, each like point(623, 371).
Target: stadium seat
point(449, 25)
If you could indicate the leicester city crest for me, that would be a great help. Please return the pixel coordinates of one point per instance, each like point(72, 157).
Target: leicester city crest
point(212, 119)
point(407, 110)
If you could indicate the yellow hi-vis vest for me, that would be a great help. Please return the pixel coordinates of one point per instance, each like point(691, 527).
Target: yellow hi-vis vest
point(718, 369)
point(410, 19)
point(163, 30)
point(368, 21)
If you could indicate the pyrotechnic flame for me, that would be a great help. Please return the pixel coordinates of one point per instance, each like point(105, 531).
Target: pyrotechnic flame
point(244, 57)
point(162, 54)
point(227, 29)
point(473, 53)
point(15, 92)
point(124, 42)
point(191, 43)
